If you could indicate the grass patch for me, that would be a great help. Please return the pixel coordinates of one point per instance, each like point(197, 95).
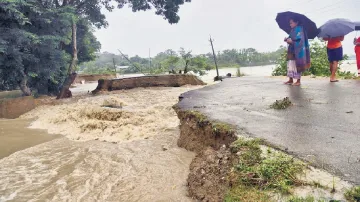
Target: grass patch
point(275, 173)
point(242, 193)
point(201, 119)
point(281, 104)
point(306, 199)
point(221, 127)
point(353, 194)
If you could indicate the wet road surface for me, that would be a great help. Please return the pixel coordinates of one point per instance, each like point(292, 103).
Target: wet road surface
point(322, 126)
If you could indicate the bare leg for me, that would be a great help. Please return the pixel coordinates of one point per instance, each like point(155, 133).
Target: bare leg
point(331, 63)
point(333, 72)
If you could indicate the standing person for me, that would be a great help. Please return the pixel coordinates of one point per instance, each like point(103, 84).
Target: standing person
point(357, 52)
point(298, 54)
point(335, 54)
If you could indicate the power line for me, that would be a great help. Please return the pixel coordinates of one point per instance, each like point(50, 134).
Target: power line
point(328, 6)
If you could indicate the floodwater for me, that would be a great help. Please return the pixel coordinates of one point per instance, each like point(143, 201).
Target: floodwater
point(145, 166)
point(64, 170)
point(15, 136)
point(265, 71)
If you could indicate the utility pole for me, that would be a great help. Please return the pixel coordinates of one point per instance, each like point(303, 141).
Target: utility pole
point(217, 70)
point(149, 62)
point(114, 65)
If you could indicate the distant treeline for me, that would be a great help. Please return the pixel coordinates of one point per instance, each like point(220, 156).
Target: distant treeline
point(182, 60)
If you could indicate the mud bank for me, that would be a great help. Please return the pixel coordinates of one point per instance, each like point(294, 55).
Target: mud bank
point(93, 77)
point(219, 171)
point(207, 180)
point(14, 107)
point(147, 81)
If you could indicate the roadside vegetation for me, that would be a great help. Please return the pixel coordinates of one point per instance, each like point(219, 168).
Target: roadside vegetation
point(319, 63)
point(257, 176)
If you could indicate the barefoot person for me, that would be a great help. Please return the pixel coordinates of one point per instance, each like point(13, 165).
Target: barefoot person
point(335, 54)
point(357, 52)
point(298, 54)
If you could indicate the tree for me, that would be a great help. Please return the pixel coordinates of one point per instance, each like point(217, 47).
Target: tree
point(91, 10)
point(30, 54)
point(198, 65)
point(186, 56)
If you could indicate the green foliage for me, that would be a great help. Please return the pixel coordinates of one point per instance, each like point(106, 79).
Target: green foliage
point(353, 195)
point(35, 38)
point(31, 44)
point(177, 61)
point(249, 194)
point(306, 199)
point(246, 57)
point(256, 172)
point(281, 104)
point(87, 44)
point(319, 63)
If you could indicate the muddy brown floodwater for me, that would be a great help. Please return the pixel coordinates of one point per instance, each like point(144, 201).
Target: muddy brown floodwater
point(149, 167)
point(15, 136)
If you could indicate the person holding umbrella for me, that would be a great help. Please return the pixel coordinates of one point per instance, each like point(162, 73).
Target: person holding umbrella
point(298, 54)
point(333, 31)
point(357, 53)
point(335, 54)
point(357, 47)
point(300, 28)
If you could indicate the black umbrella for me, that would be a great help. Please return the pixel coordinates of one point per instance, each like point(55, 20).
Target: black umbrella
point(283, 20)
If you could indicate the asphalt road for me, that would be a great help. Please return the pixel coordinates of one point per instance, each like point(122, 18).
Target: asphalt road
point(322, 126)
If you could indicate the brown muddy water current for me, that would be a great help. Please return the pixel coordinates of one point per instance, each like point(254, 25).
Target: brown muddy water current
point(36, 166)
point(63, 170)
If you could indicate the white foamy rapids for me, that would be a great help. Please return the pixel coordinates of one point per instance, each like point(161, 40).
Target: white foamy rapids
point(138, 114)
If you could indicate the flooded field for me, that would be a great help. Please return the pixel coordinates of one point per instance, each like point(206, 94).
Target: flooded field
point(133, 160)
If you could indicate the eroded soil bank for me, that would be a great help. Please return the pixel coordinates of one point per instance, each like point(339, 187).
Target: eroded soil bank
point(230, 166)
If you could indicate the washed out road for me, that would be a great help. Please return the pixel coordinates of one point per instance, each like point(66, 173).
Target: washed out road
point(322, 126)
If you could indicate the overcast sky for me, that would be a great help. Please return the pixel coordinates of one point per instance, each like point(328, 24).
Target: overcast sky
point(232, 23)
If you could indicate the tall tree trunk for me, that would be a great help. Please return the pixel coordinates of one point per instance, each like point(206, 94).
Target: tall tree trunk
point(23, 85)
point(186, 67)
point(65, 92)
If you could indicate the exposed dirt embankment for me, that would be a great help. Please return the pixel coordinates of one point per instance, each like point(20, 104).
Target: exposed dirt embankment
point(210, 168)
point(230, 167)
point(147, 81)
point(93, 77)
